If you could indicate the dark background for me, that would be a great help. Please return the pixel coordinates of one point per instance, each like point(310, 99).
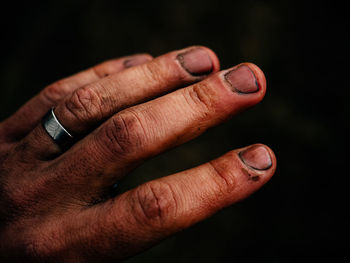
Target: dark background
point(303, 49)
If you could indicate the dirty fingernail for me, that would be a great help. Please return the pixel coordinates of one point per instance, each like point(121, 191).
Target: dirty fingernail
point(256, 157)
point(242, 80)
point(136, 60)
point(196, 62)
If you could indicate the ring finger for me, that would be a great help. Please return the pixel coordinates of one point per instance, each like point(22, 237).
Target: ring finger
point(28, 116)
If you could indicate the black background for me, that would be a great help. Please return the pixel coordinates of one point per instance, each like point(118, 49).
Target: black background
point(303, 49)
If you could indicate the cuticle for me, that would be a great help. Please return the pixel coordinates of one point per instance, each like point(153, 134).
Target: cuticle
point(250, 167)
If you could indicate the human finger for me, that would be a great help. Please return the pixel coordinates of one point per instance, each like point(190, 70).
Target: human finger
point(28, 116)
point(143, 216)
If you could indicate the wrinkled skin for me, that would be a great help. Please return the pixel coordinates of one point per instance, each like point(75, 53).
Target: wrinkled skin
point(55, 202)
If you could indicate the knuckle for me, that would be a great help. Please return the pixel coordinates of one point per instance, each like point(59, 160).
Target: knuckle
point(156, 203)
point(155, 74)
point(224, 178)
point(55, 92)
point(124, 133)
point(85, 104)
point(199, 99)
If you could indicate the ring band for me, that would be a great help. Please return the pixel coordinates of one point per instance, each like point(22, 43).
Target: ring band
point(56, 130)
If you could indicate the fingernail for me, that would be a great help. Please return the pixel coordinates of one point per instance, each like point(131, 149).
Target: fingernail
point(134, 61)
point(256, 157)
point(196, 62)
point(242, 80)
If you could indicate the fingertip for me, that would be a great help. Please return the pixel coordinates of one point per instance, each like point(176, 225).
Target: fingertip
point(213, 57)
point(259, 159)
point(199, 61)
point(259, 77)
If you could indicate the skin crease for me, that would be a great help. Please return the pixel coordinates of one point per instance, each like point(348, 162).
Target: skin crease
point(55, 204)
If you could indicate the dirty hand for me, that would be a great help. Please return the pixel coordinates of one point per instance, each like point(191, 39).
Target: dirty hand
point(55, 191)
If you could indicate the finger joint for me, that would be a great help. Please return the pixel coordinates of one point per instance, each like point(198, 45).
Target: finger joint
point(223, 178)
point(198, 98)
point(85, 104)
point(124, 134)
point(157, 204)
point(55, 92)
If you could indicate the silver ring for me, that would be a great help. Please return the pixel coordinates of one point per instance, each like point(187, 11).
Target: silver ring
point(56, 130)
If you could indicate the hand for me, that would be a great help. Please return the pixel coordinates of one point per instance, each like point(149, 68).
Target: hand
point(55, 202)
